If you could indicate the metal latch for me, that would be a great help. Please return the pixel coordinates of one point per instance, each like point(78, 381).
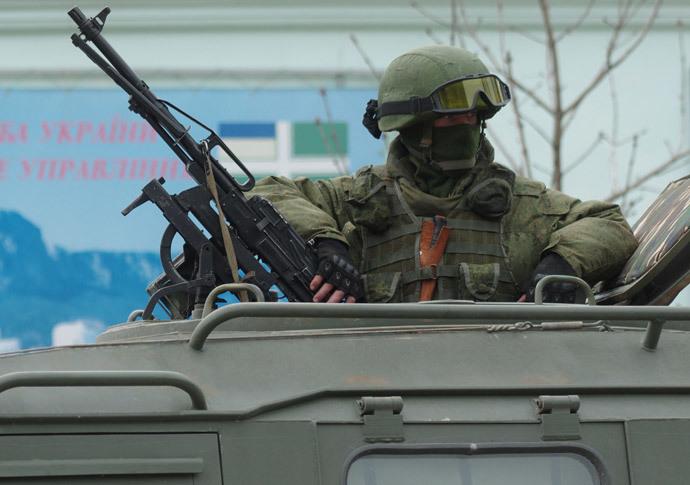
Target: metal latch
point(559, 418)
point(382, 419)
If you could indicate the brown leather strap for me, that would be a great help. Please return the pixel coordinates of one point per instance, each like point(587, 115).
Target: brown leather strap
point(227, 240)
point(432, 244)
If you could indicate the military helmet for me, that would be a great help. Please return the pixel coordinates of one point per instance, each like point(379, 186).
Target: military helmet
point(428, 82)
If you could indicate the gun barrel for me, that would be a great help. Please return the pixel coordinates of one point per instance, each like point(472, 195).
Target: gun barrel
point(90, 28)
point(77, 15)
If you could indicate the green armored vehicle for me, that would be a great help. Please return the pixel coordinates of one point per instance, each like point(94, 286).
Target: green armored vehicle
point(440, 393)
point(444, 392)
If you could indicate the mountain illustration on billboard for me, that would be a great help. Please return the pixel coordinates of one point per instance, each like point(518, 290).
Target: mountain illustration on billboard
point(42, 287)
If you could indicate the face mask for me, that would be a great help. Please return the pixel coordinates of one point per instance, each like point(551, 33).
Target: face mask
point(453, 148)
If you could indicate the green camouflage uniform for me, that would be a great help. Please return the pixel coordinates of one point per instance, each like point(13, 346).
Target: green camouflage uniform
point(500, 225)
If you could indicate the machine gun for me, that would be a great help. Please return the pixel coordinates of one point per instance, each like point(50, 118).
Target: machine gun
point(247, 229)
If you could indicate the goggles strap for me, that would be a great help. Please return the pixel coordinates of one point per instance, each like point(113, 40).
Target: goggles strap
point(412, 106)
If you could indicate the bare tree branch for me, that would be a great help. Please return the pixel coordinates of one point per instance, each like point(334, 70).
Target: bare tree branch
point(339, 155)
point(668, 146)
point(525, 165)
point(609, 64)
point(575, 25)
point(631, 168)
point(324, 139)
point(586, 153)
point(496, 140)
point(542, 169)
point(472, 32)
point(557, 135)
point(453, 22)
point(622, 42)
point(660, 169)
point(626, 13)
point(683, 86)
point(677, 154)
point(527, 35)
point(613, 172)
point(426, 14)
point(364, 55)
point(625, 141)
point(431, 35)
point(537, 128)
point(530, 93)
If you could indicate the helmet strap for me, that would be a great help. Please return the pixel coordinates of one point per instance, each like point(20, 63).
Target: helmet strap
point(371, 120)
point(456, 168)
point(426, 142)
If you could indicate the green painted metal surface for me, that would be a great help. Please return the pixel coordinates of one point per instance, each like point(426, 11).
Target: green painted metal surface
point(110, 457)
point(285, 388)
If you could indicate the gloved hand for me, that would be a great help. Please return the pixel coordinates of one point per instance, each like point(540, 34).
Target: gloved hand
point(337, 275)
point(552, 264)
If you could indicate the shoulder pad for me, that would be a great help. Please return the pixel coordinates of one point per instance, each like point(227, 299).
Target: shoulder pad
point(376, 170)
point(491, 193)
point(363, 170)
point(368, 200)
point(524, 186)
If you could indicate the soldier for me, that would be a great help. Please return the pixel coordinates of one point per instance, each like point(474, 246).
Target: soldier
point(441, 220)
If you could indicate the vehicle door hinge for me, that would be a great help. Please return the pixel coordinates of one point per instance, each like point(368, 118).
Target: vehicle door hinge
point(559, 418)
point(382, 419)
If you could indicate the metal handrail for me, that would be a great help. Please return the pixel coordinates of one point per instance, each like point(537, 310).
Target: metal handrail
point(105, 379)
point(557, 278)
point(392, 313)
point(134, 315)
point(211, 298)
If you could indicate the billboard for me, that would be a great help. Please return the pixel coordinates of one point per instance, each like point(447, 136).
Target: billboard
point(71, 160)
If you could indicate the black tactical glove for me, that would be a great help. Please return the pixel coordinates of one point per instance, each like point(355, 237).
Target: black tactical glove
point(337, 269)
point(553, 264)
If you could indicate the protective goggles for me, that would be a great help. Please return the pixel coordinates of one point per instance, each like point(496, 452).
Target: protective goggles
point(456, 96)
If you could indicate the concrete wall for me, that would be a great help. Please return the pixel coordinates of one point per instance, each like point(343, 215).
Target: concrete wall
point(309, 44)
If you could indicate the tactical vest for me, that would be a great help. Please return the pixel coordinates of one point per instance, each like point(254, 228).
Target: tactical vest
point(474, 265)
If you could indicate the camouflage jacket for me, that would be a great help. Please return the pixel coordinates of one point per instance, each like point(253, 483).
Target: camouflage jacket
point(593, 237)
